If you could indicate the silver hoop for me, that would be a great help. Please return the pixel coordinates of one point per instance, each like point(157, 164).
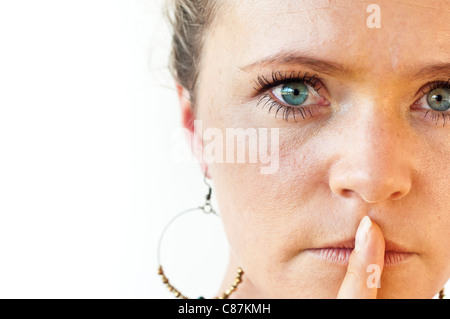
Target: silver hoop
point(206, 208)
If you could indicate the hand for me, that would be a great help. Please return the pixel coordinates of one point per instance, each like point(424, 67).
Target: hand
point(369, 250)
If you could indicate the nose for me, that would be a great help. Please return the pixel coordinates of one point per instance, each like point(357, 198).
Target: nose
point(372, 159)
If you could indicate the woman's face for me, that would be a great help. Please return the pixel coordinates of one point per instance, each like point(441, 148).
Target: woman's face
point(361, 136)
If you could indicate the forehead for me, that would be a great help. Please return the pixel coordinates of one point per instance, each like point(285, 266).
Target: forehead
point(411, 34)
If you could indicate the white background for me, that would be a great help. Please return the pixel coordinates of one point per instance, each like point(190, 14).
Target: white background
point(89, 176)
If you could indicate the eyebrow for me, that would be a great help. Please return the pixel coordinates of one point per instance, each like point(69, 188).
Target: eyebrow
point(290, 58)
point(336, 69)
point(433, 71)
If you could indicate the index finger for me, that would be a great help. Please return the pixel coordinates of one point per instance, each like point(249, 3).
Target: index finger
point(367, 255)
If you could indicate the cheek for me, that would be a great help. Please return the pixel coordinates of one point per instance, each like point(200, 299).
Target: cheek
point(269, 210)
point(432, 216)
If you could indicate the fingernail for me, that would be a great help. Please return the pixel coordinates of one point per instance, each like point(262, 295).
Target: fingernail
point(362, 233)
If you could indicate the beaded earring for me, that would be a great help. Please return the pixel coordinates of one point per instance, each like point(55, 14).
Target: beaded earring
point(206, 208)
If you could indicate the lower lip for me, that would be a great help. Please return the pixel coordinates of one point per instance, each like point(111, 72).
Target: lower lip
point(342, 255)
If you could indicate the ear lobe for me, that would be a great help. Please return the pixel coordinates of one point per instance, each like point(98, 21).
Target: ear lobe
point(193, 136)
point(187, 113)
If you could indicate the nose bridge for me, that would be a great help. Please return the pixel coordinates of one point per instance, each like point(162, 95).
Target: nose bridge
point(372, 155)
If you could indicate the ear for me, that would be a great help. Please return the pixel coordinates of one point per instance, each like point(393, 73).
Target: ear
point(194, 136)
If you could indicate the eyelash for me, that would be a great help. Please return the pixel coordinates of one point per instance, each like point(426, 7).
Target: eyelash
point(435, 85)
point(264, 83)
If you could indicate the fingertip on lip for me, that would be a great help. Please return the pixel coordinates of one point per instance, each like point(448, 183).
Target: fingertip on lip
point(362, 233)
point(366, 220)
point(365, 225)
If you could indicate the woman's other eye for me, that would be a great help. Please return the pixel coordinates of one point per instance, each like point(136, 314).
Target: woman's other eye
point(435, 103)
point(439, 99)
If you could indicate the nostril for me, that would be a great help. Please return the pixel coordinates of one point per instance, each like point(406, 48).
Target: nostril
point(396, 195)
point(346, 192)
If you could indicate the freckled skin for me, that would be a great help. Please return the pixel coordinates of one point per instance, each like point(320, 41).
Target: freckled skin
point(368, 153)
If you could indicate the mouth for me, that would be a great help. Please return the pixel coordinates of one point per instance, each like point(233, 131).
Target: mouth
point(339, 253)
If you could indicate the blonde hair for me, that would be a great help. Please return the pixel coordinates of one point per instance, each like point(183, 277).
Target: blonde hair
point(190, 20)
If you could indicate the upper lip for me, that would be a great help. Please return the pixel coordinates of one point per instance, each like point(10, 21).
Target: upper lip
point(390, 246)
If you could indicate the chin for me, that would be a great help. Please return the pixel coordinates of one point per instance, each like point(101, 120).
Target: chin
point(314, 278)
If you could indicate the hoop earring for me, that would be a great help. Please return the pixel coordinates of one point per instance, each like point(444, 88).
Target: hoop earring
point(206, 208)
point(442, 293)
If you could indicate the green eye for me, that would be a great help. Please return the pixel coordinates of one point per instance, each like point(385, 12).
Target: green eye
point(294, 93)
point(439, 99)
